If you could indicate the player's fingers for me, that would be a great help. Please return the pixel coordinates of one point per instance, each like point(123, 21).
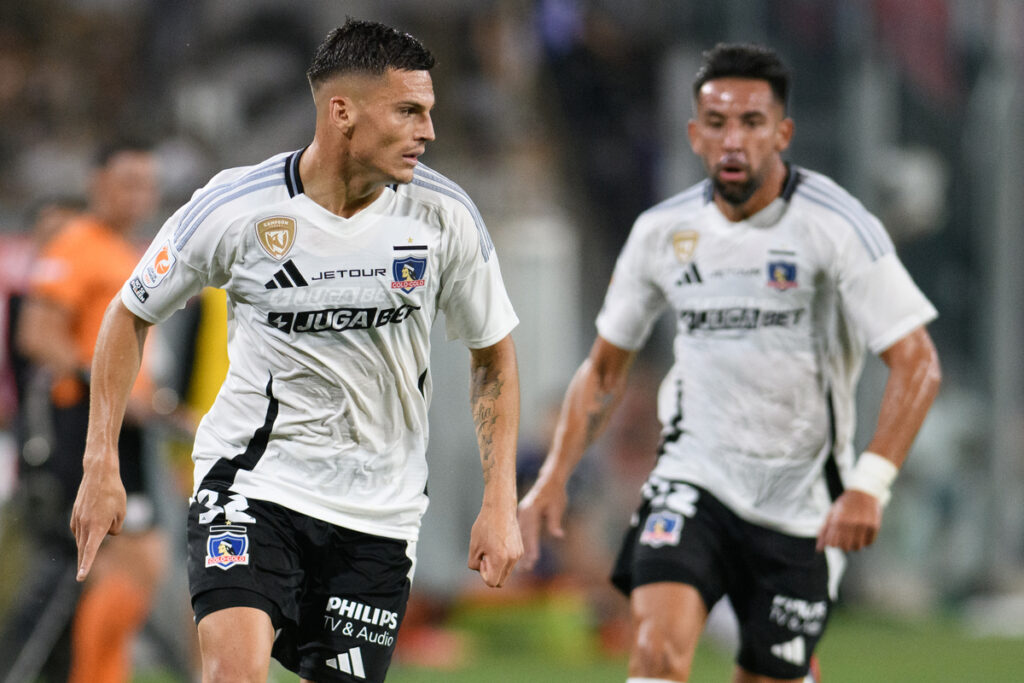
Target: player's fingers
point(88, 544)
point(531, 543)
point(488, 571)
point(553, 515)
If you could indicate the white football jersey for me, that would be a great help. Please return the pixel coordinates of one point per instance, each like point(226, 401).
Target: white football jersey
point(324, 408)
point(773, 315)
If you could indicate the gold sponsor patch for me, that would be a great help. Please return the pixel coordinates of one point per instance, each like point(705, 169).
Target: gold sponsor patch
point(276, 235)
point(684, 243)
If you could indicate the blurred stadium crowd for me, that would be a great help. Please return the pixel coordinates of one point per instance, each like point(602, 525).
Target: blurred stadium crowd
point(563, 119)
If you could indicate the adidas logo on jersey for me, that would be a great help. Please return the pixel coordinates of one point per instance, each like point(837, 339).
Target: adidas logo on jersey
point(350, 662)
point(287, 276)
point(793, 651)
point(690, 276)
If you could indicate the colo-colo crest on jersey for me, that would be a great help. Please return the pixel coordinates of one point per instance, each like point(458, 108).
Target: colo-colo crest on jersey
point(408, 273)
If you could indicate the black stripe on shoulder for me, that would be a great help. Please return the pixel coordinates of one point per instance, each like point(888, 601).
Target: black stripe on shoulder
point(291, 174)
point(793, 179)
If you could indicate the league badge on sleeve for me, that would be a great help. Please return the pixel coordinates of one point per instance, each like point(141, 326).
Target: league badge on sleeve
point(227, 546)
point(781, 275)
point(662, 528)
point(408, 273)
point(158, 267)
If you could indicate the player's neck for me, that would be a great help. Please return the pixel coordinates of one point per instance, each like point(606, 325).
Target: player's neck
point(768, 192)
point(328, 182)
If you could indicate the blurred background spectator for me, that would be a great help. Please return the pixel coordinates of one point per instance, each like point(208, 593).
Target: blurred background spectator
point(563, 119)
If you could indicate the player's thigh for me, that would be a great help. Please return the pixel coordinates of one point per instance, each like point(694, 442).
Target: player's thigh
point(668, 619)
point(354, 600)
point(782, 604)
point(235, 644)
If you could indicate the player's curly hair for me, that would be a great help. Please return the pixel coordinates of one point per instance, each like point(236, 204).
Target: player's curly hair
point(744, 60)
point(367, 47)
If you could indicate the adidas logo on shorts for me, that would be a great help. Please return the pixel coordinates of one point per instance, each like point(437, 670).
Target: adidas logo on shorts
point(350, 662)
point(793, 651)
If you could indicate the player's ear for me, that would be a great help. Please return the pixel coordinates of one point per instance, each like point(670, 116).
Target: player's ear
point(694, 135)
point(784, 134)
point(341, 113)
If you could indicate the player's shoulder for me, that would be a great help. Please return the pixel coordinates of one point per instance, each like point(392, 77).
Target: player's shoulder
point(234, 190)
point(815, 191)
point(437, 190)
point(678, 209)
point(829, 206)
point(432, 187)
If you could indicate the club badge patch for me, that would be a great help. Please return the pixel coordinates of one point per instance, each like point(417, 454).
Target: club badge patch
point(662, 528)
point(781, 275)
point(227, 546)
point(408, 273)
point(276, 235)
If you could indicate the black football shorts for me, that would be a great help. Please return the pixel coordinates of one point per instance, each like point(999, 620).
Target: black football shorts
point(778, 584)
point(337, 595)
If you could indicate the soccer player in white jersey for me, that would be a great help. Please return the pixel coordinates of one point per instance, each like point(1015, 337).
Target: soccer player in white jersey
point(310, 470)
point(778, 281)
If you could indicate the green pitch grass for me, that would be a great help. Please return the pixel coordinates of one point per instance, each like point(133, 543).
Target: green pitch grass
point(550, 643)
point(531, 644)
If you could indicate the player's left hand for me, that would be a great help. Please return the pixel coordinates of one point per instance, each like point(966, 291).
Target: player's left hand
point(852, 522)
point(495, 544)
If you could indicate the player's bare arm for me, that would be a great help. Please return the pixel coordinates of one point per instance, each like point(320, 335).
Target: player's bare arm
point(495, 544)
point(100, 505)
point(593, 394)
point(914, 377)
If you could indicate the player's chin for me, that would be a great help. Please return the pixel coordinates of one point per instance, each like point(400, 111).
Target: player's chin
point(403, 174)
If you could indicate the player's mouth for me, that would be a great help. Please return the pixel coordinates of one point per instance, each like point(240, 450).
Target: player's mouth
point(732, 172)
point(412, 157)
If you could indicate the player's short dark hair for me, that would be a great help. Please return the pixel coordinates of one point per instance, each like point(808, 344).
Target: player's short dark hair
point(744, 60)
point(367, 47)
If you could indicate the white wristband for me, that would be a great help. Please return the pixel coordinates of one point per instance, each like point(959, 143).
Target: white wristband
point(873, 474)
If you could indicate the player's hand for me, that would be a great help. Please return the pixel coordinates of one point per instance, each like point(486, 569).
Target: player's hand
point(495, 544)
point(542, 506)
point(99, 510)
point(852, 523)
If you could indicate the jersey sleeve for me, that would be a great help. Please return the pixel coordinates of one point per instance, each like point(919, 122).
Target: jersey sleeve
point(877, 292)
point(473, 297)
point(185, 256)
point(633, 301)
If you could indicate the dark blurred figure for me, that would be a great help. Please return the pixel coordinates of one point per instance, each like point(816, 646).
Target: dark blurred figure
point(35, 638)
point(79, 271)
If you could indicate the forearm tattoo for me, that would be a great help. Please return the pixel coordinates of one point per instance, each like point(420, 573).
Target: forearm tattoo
point(485, 392)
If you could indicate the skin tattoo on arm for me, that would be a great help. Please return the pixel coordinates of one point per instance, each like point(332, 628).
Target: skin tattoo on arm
point(486, 390)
